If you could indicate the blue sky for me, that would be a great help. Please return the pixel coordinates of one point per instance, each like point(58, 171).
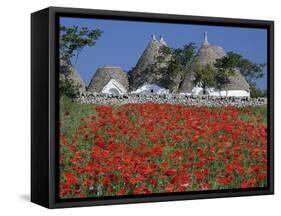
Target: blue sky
point(123, 42)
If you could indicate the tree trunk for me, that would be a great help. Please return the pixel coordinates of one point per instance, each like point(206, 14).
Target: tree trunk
point(204, 89)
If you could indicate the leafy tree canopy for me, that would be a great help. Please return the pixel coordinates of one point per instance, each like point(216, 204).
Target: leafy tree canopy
point(248, 69)
point(74, 39)
point(68, 88)
point(255, 92)
point(180, 57)
point(205, 75)
point(185, 54)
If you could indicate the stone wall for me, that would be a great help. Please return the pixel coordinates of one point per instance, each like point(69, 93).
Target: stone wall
point(211, 101)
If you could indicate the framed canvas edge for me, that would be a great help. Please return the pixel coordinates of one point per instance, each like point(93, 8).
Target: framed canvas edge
point(39, 163)
point(54, 11)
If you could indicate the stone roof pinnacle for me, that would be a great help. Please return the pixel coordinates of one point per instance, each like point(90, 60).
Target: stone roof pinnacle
point(205, 39)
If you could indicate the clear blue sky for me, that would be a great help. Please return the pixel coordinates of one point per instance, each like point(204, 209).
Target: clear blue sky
point(123, 42)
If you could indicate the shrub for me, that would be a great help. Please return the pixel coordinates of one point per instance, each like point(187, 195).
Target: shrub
point(69, 88)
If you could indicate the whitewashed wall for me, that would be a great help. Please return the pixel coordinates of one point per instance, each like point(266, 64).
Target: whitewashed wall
point(113, 87)
point(151, 88)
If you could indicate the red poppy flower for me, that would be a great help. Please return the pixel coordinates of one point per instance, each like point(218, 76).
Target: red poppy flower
point(105, 181)
point(224, 179)
point(171, 172)
point(70, 178)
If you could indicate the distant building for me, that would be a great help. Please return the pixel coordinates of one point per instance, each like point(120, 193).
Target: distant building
point(151, 89)
point(68, 73)
point(109, 79)
point(149, 76)
point(152, 76)
point(208, 54)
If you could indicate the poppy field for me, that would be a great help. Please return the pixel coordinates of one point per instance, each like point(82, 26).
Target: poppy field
point(159, 148)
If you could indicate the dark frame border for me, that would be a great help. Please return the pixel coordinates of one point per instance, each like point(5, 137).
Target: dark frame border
point(55, 13)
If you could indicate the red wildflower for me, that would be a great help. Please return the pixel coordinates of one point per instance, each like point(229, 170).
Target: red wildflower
point(224, 179)
point(245, 184)
point(169, 188)
point(240, 170)
point(137, 148)
point(171, 172)
point(105, 181)
point(229, 167)
point(157, 151)
point(70, 178)
point(142, 190)
point(123, 191)
point(201, 174)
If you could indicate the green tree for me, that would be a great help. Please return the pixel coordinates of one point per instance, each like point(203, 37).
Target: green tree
point(251, 71)
point(255, 92)
point(227, 65)
point(185, 54)
point(204, 75)
point(74, 39)
point(68, 88)
point(176, 62)
point(179, 59)
point(225, 68)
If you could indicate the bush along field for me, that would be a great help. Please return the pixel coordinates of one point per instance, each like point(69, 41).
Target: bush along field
point(157, 148)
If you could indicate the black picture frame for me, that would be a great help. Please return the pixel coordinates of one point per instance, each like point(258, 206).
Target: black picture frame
point(44, 105)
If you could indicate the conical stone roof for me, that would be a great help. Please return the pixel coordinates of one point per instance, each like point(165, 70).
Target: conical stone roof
point(237, 82)
point(145, 71)
point(104, 74)
point(208, 54)
point(162, 41)
point(68, 72)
